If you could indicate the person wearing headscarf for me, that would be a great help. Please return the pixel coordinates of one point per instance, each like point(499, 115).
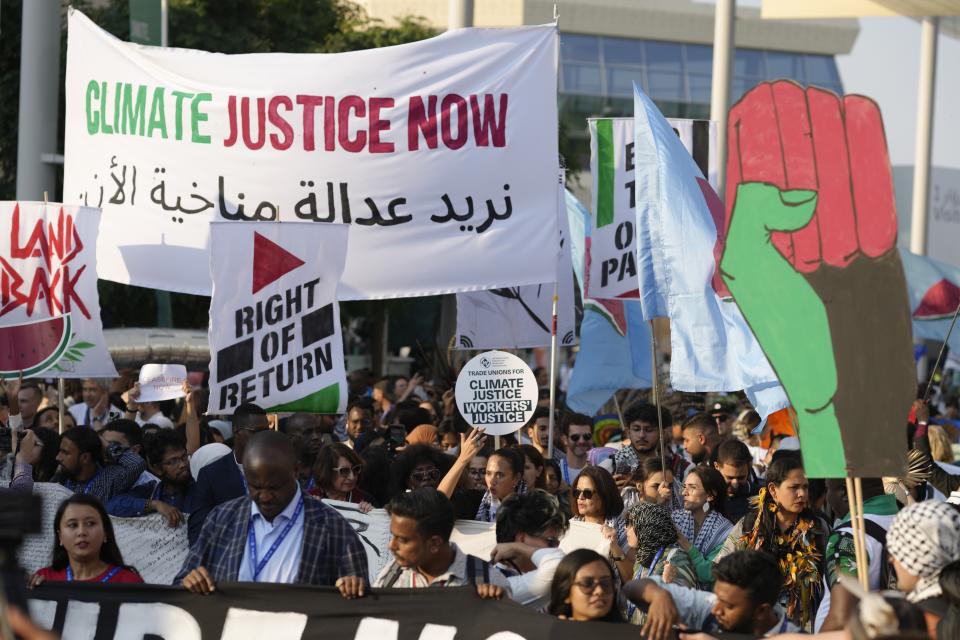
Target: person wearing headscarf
point(651, 532)
point(424, 434)
point(922, 540)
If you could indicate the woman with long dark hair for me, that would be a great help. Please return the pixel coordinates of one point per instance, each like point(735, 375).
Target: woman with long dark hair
point(782, 524)
point(84, 547)
point(504, 478)
point(584, 588)
point(700, 523)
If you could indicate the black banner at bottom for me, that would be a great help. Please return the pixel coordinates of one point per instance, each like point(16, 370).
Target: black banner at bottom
point(284, 612)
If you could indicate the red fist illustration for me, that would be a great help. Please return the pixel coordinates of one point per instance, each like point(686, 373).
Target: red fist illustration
point(832, 151)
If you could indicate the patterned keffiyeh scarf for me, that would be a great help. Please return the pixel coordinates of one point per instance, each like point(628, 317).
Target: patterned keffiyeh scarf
point(924, 538)
point(711, 534)
point(654, 529)
point(487, 512)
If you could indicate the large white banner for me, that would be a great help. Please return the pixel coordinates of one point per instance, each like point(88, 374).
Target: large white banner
point(612, 246)
point(521, 317)
point(274, 319)
point(441, 154)
point(49, 306)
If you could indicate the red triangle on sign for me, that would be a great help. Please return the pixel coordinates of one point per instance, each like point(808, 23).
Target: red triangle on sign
point(270, 261)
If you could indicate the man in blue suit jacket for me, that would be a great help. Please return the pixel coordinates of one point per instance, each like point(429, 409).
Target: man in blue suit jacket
point(222, 481)
point(277, 534)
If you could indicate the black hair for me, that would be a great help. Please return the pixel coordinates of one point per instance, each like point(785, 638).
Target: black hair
point(756, 572)
point(536, 458)
point(539, 412)
point(777, 473)
point(646, 468)
point(87, 441)
point(513, 457)
point(733, 452)
point(571, 418)
point(54, 409)
point(307, 420)
point(551, 464)
point(129, 429)
point(605, 487)
point(375, 478)
point(532, 514)
point(411, 417)
point(43, 471)
point(713, 482)
point(109, 552)
point(646, 412)
point(158, 444)
point(949, 625)
point(565, 576)
point(242, 415)
point(407, 461)
point(363, 403)
point(29, 384)
point(701, 422)
point(430, 509)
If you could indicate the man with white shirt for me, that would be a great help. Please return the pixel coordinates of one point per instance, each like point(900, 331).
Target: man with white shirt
point(529, 528)
point(95, 410)
point(277, 534)
point(421, 522)
point(743, 601)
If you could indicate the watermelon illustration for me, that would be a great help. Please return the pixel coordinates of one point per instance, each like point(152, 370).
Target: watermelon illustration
point(33, 347)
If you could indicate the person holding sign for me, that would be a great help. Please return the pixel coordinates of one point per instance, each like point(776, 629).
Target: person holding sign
point(276, 534)
point(85, 547)
point(504, 478)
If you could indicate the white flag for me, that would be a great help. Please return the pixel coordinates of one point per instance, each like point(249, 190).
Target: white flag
point(440, 154)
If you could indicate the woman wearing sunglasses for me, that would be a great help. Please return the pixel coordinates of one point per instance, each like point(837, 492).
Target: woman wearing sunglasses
point(338, 471)
point(597, 500)
point(584, 588)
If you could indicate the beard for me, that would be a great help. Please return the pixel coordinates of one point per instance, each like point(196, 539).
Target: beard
point(699, 458)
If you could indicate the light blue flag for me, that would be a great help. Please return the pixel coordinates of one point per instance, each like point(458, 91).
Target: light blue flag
point(934, 290)
point(614, 340)
point(678, 215)
point(614, 354)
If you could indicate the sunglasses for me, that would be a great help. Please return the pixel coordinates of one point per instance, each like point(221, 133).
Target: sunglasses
point(588, 585)
point(423, 476)
point(586, 494)
point(577, 437)
point(346, 472)
point(553, 543)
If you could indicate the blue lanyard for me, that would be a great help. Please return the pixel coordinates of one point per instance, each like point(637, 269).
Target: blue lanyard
point(565, 470)
point(243, 479)
point(105, 578)
point(656, 559)
point(311, 483)
point(256, 567)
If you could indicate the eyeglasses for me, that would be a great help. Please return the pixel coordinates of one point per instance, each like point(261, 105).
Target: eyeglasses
point(587, 494)
point(346, 472)
point(577, 437)
point(423, 476)
point(174, 462)
point(588, 585)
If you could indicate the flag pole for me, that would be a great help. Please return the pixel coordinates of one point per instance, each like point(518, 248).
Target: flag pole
point(861, 534)
point(553, 374)
point(943, 347)
point(855, 523)
point(60, 386)
point(656, 397)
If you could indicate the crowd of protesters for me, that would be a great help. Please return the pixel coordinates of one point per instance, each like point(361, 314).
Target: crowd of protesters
point(716, 530)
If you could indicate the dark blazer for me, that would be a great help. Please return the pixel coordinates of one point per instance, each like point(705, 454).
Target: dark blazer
point(218, 482)
point(331, 548)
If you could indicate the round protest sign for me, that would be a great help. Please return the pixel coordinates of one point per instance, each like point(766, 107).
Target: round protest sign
point(496, 391)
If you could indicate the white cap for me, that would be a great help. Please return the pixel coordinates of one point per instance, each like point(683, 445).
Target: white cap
point(205, 455)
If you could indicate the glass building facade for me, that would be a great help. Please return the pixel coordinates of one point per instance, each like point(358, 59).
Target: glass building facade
point(597, 75)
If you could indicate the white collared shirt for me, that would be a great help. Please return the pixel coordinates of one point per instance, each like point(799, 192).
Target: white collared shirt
point(284, 565)
point(532, 589)
point(456, 575)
